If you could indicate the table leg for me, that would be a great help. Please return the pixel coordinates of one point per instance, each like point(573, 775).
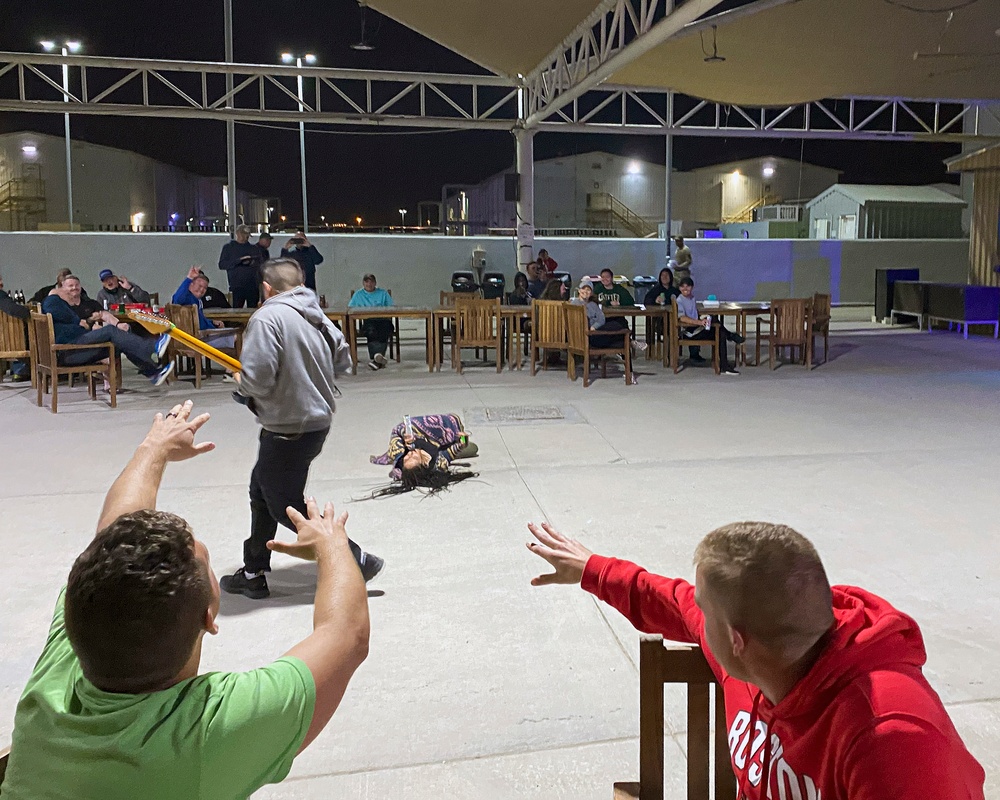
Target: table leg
point(429, 342)
point(352, 340)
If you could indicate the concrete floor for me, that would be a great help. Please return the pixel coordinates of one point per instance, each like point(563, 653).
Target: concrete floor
point(478, 685)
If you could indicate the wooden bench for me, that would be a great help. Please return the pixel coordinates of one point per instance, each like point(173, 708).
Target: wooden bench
point(660, 664)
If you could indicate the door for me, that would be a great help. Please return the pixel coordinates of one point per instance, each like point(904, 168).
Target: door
point(821, 229)
point(848, 226)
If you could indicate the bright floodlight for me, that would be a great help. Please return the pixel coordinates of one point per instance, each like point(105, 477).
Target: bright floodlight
point(402, 211)
point(47, 45)
point(29, 150)
point(288, 58)
point(634, 167)
point(310, 58)
point(73, 47)
point(768, 172)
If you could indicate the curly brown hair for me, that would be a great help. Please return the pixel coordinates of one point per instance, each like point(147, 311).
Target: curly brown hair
point(136, 601)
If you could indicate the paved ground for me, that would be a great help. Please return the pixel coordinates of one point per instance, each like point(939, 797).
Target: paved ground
point(479, 686)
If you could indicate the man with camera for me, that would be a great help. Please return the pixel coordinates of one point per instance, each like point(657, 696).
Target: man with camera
point(305, 253)
point(241, 260)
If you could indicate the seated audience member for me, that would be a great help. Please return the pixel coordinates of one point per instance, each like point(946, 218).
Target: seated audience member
point(213, 298)
point(377, 331)
point(556, 290)
point(700, 327)
point(824, 692)
point(45, 291)
point(547, 263)
point(117, 707)
point(519, 295)
point(421, 453)
point(537, 279)
point(19, 370)
point(611, 294)
point(118, 290)
point(69, 328)
point(190, 293)
point(664, 289)
point(596, 320)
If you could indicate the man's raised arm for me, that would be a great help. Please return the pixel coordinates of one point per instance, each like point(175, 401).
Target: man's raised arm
point(170, 439)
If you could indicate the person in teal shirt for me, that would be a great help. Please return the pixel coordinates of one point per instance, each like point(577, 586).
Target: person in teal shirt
point(377, 331)
point(116, 708)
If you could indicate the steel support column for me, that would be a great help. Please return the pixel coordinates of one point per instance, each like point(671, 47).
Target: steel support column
point(526, 197)
point(230, 126)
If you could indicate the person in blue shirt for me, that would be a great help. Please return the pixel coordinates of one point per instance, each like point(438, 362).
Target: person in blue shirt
point(190, 293)
point(148, 355)
point(379, 331)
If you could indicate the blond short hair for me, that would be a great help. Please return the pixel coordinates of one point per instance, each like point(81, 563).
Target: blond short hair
point(769, 580)
point(282, 274)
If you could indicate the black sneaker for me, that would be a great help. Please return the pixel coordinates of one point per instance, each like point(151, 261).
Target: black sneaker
point(697, 359)
point(239, 583)
point(730, 371)
point(371, 567)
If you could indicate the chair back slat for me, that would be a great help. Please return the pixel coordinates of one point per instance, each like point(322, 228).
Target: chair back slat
point(789, 320)
point(479, 320)
point(448, 298)
point(548, 323)
point(184, 317)
point(13, 336)
point(41, 325)
point(576, 326)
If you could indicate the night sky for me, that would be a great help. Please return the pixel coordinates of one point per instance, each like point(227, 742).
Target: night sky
point(359, 174)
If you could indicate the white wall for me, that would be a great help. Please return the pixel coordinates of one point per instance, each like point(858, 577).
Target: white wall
point(416, 267)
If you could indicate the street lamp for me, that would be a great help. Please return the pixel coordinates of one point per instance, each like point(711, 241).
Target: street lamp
point(66, 47)
point(310, 59)
point(402, 216)
point(358, 220)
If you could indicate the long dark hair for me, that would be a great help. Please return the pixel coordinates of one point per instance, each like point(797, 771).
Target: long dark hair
point(669, 272)
point(425, 479)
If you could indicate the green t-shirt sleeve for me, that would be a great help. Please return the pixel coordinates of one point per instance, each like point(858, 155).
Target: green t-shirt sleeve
point(258, 726)
point(624, 297)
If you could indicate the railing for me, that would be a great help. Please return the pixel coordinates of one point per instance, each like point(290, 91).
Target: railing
point(607, 203)
point(746, 214)
point(784, 213)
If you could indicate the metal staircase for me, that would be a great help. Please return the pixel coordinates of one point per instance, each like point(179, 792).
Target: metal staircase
point(746, 214)
point(22, 200)
point(604, 210)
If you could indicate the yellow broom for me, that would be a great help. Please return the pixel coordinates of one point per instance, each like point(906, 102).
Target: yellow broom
point(154, 323)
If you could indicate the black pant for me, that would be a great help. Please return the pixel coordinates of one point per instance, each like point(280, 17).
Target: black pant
point(278, 480)
point(724, 335)
point(136, 349)
point(378, 332)
point(248, 296)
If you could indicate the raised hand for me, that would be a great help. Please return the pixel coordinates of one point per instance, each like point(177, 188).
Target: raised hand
point(173, 435)
point(313, 535)
point(194, 272)
point(567, 556)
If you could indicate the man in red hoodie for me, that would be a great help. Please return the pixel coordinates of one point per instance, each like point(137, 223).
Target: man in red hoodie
point(824, 690)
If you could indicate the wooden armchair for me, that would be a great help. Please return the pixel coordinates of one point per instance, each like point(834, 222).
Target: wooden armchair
point(186, 319)
point(819, 325)
point(478, 325)
point(16, 343)
point(394, 344)
point(660, 664)
point(548, 329)
point(787, 327)
point(48, 370)
point(578, 343)
point(677, 340)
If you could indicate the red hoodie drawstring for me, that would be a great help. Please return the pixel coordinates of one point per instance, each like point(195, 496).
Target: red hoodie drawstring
point(751, 734)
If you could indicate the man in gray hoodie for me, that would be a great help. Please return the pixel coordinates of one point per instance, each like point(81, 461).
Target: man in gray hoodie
point(290, 356)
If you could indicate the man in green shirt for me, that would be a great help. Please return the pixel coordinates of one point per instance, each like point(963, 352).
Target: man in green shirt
point(116, 708)
point(609, 293)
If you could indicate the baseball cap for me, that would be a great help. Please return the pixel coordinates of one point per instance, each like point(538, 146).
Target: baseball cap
point(368, 276)
point(586, 282)
point(105, 274)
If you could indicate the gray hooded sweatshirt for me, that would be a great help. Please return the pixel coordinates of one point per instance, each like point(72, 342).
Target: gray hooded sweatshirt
point(288, 366)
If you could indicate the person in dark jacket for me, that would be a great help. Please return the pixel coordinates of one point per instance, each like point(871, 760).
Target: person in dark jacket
point(664, 290)
point(45, 291)
point(148, 355)
point(300, 249)
point(264, 243)
point(21, 370)
point(213, 298)
point(242, 261)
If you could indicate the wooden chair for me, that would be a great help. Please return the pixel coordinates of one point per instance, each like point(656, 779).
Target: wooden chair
point(394, 342)
point(186, 319)
point(787, 327)
point(578, 337)
point(660, 664)
point(548, 329)
point(676, 340)
point(48, 369)
point(16, 343)
point(819, 325)
point(478, 325)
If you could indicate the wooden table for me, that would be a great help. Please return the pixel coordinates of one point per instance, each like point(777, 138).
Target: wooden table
point(241, 316)
point(358, 315)
point(650, 313)
point(508, 314)
point(740, 311)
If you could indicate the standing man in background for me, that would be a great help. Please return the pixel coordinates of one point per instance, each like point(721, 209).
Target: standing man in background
point(264, 243)
point(682, 257)
point(242, 260)
point(305, 253)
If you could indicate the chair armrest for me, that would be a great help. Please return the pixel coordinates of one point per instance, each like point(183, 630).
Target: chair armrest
point(95, 346)
point(622, 332)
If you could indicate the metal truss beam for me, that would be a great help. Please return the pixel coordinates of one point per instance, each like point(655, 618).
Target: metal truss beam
point(260, 92)
point(265, 93)
point(617, 33)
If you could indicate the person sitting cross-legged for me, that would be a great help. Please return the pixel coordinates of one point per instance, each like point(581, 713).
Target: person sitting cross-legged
point(148, 354)
point(700, 327)
point(825, 696)
point(117, 706)
point(378, 331)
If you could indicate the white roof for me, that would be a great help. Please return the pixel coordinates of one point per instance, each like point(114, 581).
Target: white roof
point(879, 193)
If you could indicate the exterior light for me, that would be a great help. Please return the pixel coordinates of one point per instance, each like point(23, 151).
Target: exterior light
point(47, 45)
point(288, 58)
point(29, 150)
point(634, 167)
point(309, 58)
point(73, 47)
point(768, 172)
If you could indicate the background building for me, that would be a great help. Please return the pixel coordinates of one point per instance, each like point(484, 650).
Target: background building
point(113, 189)
point(604, 194)
point(856, 211)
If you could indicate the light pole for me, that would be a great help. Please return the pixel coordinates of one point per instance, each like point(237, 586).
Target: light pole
point(310, 59)
point(402, 216)
point(67, 47)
